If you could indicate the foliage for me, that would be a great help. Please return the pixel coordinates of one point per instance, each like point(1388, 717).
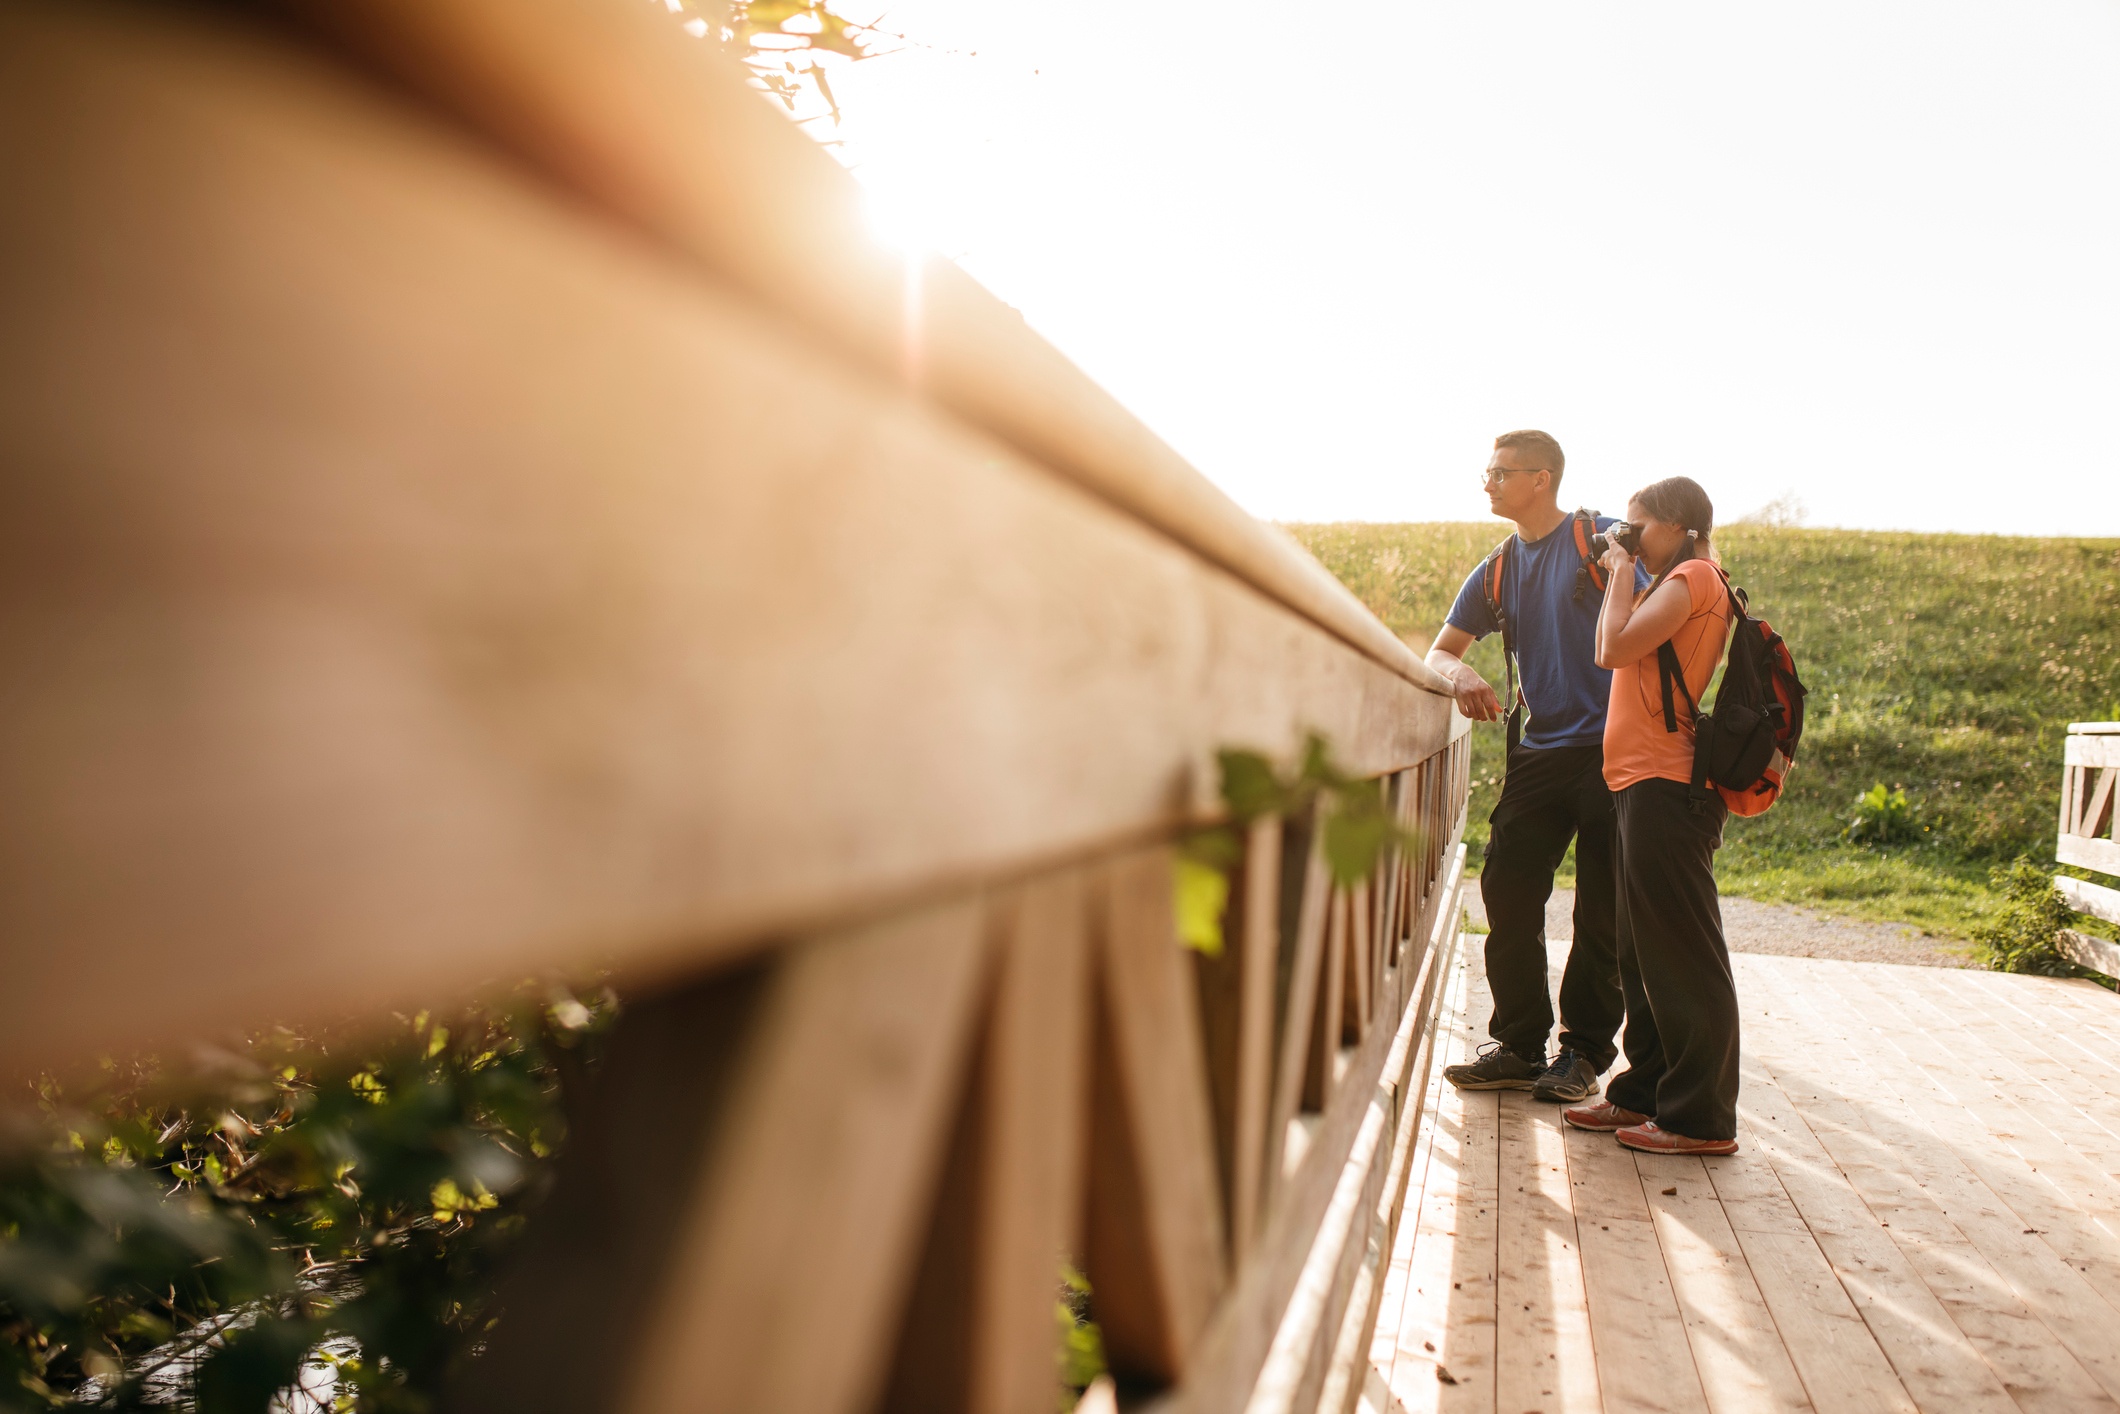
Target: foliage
point(1201, 884)
point(2019, 937)
point(1882, 815)
point(1081, 1343)
point(781, 41)
point(196, 1236)
point(1356, 829)
point(1949, 664)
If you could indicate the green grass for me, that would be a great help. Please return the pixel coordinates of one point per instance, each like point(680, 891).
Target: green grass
point(1947, 665)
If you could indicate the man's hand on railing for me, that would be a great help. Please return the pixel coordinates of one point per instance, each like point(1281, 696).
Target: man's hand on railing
point(1475, 697)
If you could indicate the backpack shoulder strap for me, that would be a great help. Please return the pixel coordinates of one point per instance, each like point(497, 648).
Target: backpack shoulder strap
point(1669, 672)
point(1584, 525)
point(1491, 582)
point(1491, 588)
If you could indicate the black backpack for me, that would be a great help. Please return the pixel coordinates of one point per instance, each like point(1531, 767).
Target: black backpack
point(1744, 749)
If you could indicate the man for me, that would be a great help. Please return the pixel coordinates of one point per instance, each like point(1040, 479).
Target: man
point(1554, 789)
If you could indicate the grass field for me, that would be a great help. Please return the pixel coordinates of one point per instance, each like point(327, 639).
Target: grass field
point(1946, 665)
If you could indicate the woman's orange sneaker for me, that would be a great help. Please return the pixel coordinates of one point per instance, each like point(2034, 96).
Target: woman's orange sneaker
point(1602, 1117)
point(1648, 1139)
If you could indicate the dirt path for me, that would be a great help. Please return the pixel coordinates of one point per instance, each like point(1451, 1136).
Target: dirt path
point(1788, 932)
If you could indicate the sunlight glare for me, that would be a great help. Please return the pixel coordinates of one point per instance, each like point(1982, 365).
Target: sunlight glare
point(896, 221)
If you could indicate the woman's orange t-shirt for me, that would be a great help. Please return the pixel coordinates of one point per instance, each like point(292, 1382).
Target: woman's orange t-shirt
point(1637, 747)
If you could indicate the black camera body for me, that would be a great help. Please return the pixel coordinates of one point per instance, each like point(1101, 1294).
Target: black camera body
point(1627, 537)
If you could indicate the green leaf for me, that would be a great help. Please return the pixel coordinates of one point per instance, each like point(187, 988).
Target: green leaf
point(1249, 786)
point(1200, 896)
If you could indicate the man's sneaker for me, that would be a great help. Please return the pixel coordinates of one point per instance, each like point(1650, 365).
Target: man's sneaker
point(1602, 1117)
point(1568, 1079)
point(1647, 1138)
point(1498, 1068)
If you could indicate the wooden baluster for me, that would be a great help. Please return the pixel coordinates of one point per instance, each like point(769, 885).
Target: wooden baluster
point(1237, 1013)
point(638, 1131)
point(1382, 927)
point(1319, 1071)
point(1360, 967)
point(978, 1332)
point(2093, 817)
point(807, 1221)
point(1302, 948)
point(1154, 1249)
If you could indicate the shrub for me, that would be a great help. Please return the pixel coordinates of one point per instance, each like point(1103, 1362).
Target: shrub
point(1881, 816)
point(195, 1236)
point(2020, 935)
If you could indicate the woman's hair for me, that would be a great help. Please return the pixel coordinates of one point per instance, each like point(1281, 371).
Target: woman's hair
point(1681, 501)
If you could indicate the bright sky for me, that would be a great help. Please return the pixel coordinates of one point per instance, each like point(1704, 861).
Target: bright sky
point(1867, 251)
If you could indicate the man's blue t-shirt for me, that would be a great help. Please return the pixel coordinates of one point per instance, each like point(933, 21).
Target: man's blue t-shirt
point(1556, 635)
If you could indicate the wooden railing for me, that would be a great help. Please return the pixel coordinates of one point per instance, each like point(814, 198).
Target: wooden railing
point(2088, 839)
point(476, 507)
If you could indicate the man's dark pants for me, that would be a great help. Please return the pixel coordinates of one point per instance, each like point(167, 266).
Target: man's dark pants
point(1549, 797)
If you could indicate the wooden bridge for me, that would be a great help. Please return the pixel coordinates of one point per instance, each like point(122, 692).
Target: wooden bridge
point(476, 505)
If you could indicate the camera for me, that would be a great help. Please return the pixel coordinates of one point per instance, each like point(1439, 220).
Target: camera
point(1627, 537)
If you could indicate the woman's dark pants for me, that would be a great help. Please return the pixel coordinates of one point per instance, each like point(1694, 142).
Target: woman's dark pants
point(1550, 797)
point(1681, 1040)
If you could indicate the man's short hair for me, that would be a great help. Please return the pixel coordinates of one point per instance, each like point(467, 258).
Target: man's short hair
point(1540, 447)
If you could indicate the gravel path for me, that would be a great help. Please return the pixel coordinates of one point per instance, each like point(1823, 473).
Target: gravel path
point(1787, 931)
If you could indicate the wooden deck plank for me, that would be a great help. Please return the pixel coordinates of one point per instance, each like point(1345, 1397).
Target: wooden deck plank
point(1468, 1347)
point(2038, 1066)
point(2037, 1047)
point(1542, 1308)
point(1644, 1359)
point(1736, 1348)
point(1449, 1049)
point(1952, 1144)
point(1446, 1338)
point(1751, 1193)
point(2058, 1023)
point(1842, 1367)
point(1941, 1368)
point(1952, 1244)
point(2074, 1205)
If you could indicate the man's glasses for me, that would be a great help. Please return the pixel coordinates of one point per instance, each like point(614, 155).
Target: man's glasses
point(1493, 475)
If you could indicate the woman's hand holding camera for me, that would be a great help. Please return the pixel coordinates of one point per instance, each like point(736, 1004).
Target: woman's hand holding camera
point(1619, 544)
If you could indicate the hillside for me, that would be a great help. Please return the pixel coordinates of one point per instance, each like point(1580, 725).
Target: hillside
point(1947, 665)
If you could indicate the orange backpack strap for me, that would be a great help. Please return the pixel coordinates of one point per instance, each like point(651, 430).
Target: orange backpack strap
point(1593, 569)
point(1491, 586)
point(1491, 582)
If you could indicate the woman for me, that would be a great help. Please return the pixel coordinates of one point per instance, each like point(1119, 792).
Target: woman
point(1678, 1094)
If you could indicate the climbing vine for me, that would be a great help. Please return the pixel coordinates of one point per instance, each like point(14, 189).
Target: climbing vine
point(1355, 823)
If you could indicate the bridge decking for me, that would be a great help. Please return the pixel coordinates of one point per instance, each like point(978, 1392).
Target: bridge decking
point(1925, 1215)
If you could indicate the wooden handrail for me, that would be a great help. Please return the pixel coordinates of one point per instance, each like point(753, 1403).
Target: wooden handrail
point(618, 104)
point(419, 570)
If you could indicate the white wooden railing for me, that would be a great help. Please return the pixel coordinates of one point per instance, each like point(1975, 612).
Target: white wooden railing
point(2091, 765)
